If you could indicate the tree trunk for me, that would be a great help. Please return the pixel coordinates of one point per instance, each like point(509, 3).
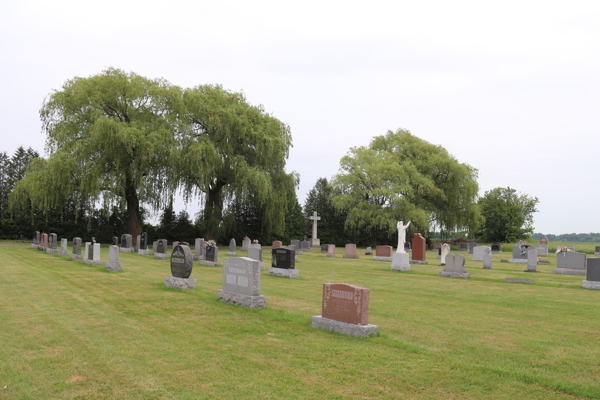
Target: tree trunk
point(213, 212)
point(134, 219)
point(373, 239)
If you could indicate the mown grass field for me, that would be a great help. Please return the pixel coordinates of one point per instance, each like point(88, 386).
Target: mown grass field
point(74, 331)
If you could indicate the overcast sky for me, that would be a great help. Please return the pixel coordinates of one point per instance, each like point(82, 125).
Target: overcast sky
point(512, 88)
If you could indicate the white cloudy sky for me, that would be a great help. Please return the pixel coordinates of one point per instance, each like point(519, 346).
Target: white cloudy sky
point(510, 87)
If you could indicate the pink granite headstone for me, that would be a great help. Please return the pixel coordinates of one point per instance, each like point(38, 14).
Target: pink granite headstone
point(383, 251)
point(350, 251)
point(346, 303)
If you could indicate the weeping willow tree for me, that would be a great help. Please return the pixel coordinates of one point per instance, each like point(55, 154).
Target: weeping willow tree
point(234, 150)
point(111, 138)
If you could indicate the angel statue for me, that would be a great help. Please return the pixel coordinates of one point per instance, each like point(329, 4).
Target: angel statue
point(401, 236)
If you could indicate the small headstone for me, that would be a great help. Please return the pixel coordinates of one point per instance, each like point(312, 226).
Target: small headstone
point(256, 254)
point(51, 248)
point(487, 260)
point(542, 250)
point(255, 245)
point(519, 254)
point(64, 247)
point(471, 247)
point(350, 251)
point(241, 282)
point(211, 255)
point(115, 241)
point(161, 249)
point(383, 253)
point(518, 280)
point(76, 252)
point(570, 263)
point(276, 244)
point(596, 252)
point(324, 248)
point(181, 269)
point(86, 251)
point(445, 250)
point(345, 310)
point(296, 243)
point(496, 248)
point(283, 263)
point(419, 249)
point(464, 247)
point(137, 242)
point(246, 243)
point(114, 259)
point(143, 244)
point(407, 246)
point(126, 243)
point(592, 280)
point(479, 252)
point(93, 254)
point(331, 250)
point(544, 240)
point(231, 249)
point(199, 249)
point(455, 267)
point(369, 251)
point(531, 260)
point(304, 246)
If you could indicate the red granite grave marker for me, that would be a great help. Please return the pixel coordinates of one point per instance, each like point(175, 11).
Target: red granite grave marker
point(346, 303)
point(418, 247)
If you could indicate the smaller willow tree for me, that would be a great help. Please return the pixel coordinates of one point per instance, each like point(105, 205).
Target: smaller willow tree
point(111, 138)
point(401, 177)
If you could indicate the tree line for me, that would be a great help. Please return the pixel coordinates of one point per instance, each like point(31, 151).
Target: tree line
point(122, 146)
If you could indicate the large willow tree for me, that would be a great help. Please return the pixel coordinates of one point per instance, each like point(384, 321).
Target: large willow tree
point(121, 138)
point(401, 177)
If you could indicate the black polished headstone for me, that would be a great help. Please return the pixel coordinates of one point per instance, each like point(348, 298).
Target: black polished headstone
point(123, 241)
point(211, 254)
point(593, 269)
point(144, 241)
point(91, 251)
point(324, 248)
point(115, 241)
point(181, 261)
point(496, 247)
point(161, 246)
point(283, 258)
point(407, 246)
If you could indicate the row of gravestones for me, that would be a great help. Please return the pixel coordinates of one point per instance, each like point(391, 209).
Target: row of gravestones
point(345, 307)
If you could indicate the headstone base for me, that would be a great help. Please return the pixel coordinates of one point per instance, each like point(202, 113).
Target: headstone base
point(487, 267)
point(63, 253)
point(126, 249)
point(241, 299)
point(161, 256)
point(381, 258)
point(418, 262)
point(400, 262)
point(345, 328)
point(314, 242)
point(330, 255)
point(590, 285)
point(93, 262)
point(51, 251)
point(517, 260)
point(345, 256)
point(517, 280)
point(75, 257)
point(143, 252)
point(113, 266)
point(462, 275)
point(210, 263)
point(198, 258)
point(568, 271)
point(504, 261)
point(180, 283)
point(287, 273)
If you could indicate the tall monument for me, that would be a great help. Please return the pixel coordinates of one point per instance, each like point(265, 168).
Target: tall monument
point(314, 242)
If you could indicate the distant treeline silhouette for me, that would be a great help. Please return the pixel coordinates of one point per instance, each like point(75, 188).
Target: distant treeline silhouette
point(570, 237)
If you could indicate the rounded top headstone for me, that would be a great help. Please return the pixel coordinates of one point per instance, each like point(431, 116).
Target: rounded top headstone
point(181, 261)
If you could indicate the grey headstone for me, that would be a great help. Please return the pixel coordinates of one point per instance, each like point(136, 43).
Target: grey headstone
point(324, 248)
point(464, 247)
point(162, 246)
point(368, 252)
point(231, 250)
point(444, 250)
point(593, 269)
point(77, 246)
point(455, 263)
point(115, 241)
point(241, 275)
point(126, 241)
point(400, 262)
point(246, 244)
point(255, 254)
point(571, 259)
point(542, 249)
point(304, 245)
point(531, 259)
point(137, 242)
point(479, 252)
point(52, 241)
point(181, 262)
point(487, 261)
point(199, 247)
point(114, 259)
point(519, 252)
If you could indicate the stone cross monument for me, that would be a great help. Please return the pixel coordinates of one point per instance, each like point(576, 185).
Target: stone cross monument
point(314, 242)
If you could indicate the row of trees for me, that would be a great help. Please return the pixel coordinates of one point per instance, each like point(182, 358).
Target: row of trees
point(125, 143)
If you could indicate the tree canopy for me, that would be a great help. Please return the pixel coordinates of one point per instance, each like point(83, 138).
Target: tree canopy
point(508, 215)
point(401, 177)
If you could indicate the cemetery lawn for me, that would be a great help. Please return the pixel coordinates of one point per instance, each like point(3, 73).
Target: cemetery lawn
point(75, 331)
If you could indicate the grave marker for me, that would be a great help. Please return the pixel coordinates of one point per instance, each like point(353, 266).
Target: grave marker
point(161, 249)
point(257, 255)
point(126, 243)
point(331, 250)
point(231, 249)
point(64, 247)
point(241, 282)
point(350, 251)
point(283, 263)
point(76, 252)
point(181, 269)
point(199, 248)
point(445, 250)
point(383, 253)
point(419, 249)
point(592, 280)
point(211, 256)
point(114, 259)
point(314, 241)
point(455, 267)
point(570, 263)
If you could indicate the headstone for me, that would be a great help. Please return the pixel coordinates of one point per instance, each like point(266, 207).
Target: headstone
point(37, 238)
point(86, 254)
point(175, 244)
point(76, 252)
point(161, 249)
point(487, 260)
point(296, 243)
point(93, 254)
point(419, 249)
point(496, 248)
point(231, 249)
point(472, 245)
point(314, 241)
point(211, 256)
point(345, 310)
point(126, 243)
point(143, 244)
point(137, 242)
point(369, 251)
point(255, 245)
point(597, 251)
point(350, 251)
point(154, 244)
point(114, 259)
point(479, 252)
point(400, 262)
point(445, 250)
point(115, 241)
point(407, 246)
point(51, 249)
point(324, 248)
point(181, 269)
point(544, 240)
point(283, 263)
point(256, 254)
point(304, 246)
point(44, 244)
point(246, 243)
point(276, 244)
point(570, 263)
point(531, 260)
point(542, 250)
point(592, 280)
point(199, 249)
point(383, 253)
point(519, 254)
point(241, 282)
point(331, 250)
point(64, 247)
point(455, 267)
point(464, 247)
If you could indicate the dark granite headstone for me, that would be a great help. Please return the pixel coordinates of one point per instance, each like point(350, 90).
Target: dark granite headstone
point(324, 248)
point(593, 269)
point(304, 245)
point(77, 246)
point(211, 253)
point(283, 258)
point(52, 241)
point(143, 245)
point(464, 247)
point(37, 237)
point(91, 251)
point(161, 246)
point(496, 247)
point(115, 241)
point(407, 246)
point(181, 262)
point(296, 243)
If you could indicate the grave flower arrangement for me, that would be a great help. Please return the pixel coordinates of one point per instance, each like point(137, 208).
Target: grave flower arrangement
point(563, 250)
point(211, 243)
point(255, 241)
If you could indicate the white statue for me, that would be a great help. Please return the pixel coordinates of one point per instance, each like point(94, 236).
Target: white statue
point(401, 236)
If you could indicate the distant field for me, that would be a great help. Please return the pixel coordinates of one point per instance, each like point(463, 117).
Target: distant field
point(74, 331)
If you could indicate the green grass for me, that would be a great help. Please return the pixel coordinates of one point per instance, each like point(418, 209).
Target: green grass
point(74, 331)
